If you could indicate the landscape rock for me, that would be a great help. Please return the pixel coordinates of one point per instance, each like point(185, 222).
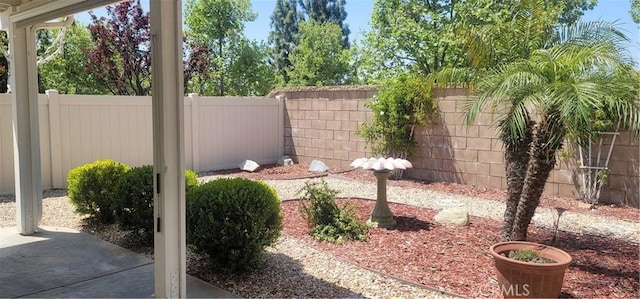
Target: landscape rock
point(318, 166)
point(249, 165)
point(285, 160)
point(453, 216)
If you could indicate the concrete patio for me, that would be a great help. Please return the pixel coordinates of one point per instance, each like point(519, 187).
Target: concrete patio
point(64, 263)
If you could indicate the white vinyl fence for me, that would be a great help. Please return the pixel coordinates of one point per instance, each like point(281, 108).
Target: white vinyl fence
point(220, 133)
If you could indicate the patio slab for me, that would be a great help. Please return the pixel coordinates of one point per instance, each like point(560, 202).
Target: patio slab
point(64, 263)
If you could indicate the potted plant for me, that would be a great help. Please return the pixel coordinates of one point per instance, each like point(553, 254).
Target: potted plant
point(529, 270)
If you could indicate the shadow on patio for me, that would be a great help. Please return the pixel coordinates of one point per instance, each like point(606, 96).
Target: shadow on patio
point(64, 263)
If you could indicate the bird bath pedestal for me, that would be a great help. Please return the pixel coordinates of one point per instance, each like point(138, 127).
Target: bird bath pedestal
point(381, 215)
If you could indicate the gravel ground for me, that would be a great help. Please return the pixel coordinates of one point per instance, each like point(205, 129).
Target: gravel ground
point(300, 270)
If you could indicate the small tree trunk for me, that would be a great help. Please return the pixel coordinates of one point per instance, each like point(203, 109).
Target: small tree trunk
point(541, 164)
point(221, 68)
point(516, 157)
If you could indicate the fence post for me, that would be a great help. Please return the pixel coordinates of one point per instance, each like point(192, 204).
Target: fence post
point(195, 132)
point(280, 125)
point(57, 177)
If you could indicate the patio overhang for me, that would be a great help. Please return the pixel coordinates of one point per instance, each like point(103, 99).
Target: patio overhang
point(21, 18)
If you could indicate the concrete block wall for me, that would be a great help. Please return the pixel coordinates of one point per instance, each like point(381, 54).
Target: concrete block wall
point(320, 123)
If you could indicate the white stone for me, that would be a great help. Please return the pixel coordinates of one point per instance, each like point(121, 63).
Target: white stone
point(318, 166)
point(285, 160)
point(249, 165)
point(453, 216)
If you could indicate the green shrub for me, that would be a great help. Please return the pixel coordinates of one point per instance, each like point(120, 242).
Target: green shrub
point(133, 204)
point(232, 220)
point(329, 221)
point(402, 104)
point(91, 188)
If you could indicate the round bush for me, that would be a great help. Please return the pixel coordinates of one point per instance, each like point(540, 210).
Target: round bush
point(133, 203)
point(91, 188)
point(232, 220)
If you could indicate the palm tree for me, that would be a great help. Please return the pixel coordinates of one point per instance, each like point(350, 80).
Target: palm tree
point(550, 96)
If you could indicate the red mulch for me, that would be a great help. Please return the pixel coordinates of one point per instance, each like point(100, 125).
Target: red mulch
point(456, 259)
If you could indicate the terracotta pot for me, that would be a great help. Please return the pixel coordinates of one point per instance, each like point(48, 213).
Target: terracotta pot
point(519, 279)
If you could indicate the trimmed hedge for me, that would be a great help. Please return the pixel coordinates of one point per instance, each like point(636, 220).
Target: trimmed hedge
point(232, 220)
point(91, 188)
point(133, 203)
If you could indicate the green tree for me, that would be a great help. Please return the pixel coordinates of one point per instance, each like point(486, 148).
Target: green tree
point(427, 36)
point(215, 23)
point(320, 58)
point(65, 72)
point(249, 72)
point(44, 42)
point(552, 95)
point(328, 11)
point(634, 11)
point(284, 36)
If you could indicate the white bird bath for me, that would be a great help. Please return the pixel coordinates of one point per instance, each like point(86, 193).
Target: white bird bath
point(381, 215)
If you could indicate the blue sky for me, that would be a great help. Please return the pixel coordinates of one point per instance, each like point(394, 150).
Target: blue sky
point(359, 12)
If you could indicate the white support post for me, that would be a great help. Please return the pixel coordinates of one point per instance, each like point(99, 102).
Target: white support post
point(26, 134)
point(168, 149)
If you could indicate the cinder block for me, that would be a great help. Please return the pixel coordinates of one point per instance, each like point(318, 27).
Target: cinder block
point(311, 115)
point(319, 143)
point(447, 106)
point(482, 144)
point(319, 105)
point(465, 155)
point(349, 125)
point(496, 182)
point(312, 133)
point(326, 134)
point(497, 170)
point(341, 155)
point(326, 115)
point(349, 105)
point(304, 105)
point(458, 142)
point(360, 116)
point(318, 124)
point(490, 157)
point(348, 145)
point(469, 178)
point(334, 105)
point(334, 125)
point(310, 152)
point(325, 153)
point(341, 135)
point(304, 124)
point(341, 115)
